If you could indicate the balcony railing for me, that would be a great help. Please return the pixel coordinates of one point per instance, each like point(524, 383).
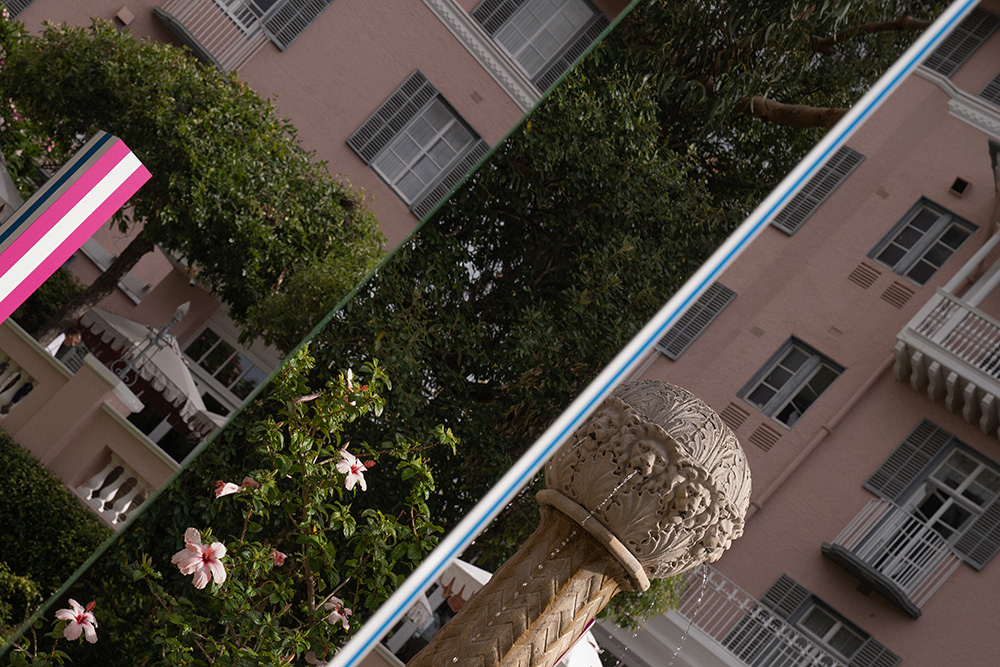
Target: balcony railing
point(745, 628)
point(951, 350)
point(115, 491)
point(226, 33)
point(895, 553)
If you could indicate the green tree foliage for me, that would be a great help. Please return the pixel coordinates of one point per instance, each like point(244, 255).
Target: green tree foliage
point(47, 533)
point(309, 554)
point(750, 87)
point(532, 276)
point(231, 192)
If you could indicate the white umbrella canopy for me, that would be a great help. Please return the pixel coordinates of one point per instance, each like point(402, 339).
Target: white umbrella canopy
point(164, 369)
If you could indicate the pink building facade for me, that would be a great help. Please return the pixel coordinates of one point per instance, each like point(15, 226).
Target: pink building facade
point(401, 98)
point(854, 348)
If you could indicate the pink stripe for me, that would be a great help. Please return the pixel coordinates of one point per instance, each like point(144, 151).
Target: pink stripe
point(87, 181)
point(73, 242)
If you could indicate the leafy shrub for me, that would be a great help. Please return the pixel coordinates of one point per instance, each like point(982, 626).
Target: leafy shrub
point(47, 533)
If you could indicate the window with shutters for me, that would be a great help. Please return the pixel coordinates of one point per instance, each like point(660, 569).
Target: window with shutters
point(817, 189)
point(544, 37)
point(938, 505)
point(697, 318)
point(792, 627)
point(418, 144)
point(968, 36)
point(790, 382)
point(922, 241)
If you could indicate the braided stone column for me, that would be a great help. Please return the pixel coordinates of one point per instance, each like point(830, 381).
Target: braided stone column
point(653, 485)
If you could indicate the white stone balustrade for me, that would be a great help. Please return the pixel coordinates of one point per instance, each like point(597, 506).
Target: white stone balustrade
point(114, 491)
point(15, 383)
point(951, 350)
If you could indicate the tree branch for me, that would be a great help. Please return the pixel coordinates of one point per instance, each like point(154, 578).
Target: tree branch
point(796, 115)
point(905, 23)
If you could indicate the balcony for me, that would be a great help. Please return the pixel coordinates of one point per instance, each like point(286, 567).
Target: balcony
point(894, 553)
point(75, 424)
point(225, 33)
point(723, 614)
point(951, 348)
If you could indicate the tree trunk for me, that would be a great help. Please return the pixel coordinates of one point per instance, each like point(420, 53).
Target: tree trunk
point(102, 287)
point(902, 24)
point(798, 115)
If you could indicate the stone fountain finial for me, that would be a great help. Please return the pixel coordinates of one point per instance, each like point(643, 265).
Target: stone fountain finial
point(652, 485)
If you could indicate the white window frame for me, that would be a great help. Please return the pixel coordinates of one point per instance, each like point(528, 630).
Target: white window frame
point(840, 624)
point(792, 387)
point(538, 38)
point(916, 254)
point(207, 381)
point(425, 148)
point(402, 111)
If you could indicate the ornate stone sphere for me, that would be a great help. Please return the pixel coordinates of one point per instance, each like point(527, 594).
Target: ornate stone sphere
point(659, 470)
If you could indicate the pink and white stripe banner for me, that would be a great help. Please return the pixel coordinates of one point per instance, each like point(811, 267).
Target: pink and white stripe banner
point(63, 214)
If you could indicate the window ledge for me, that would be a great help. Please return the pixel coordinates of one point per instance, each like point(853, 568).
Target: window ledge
point(965, 106)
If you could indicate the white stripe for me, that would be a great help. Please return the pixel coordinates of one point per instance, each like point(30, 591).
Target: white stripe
point(68, 224)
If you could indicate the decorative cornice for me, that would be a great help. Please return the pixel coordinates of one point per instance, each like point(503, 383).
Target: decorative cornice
point(504, 71)
point(965, 106)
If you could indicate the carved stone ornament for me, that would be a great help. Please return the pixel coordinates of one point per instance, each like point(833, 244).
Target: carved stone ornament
point(660, 470)
point(652, 485)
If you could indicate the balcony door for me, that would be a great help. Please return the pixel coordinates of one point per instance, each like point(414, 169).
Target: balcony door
point(950, 500)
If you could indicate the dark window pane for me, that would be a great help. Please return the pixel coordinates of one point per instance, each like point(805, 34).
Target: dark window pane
point(202, 344)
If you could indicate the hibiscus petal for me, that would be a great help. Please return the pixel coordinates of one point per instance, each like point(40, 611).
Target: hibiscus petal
point(72, 630)
point(201, 577)
point(192, 537)
point(89, 633)
point(218, 571)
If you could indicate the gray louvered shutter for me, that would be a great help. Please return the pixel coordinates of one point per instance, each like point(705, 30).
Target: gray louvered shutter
point(786, 596)
point(547, 78)
point(492, 14)
point(820, 186)
point(15, 7)
point(392, 116)
point(695, 320)
point(981, 541)
point(291, 18)
point(909, 461)
point(991, 93)
point(962, 41)
point(874, 654)
point(756, 631)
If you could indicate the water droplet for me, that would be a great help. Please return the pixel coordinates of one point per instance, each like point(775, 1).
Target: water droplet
point(539, 567)
point(455, 659)
point(525, 583)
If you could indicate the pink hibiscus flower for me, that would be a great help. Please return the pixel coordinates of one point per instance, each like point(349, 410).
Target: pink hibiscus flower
point(354, 469)
point(80, 620)
point(225, 488)
point(278, 557)
point(202, 560)
point(338, 614)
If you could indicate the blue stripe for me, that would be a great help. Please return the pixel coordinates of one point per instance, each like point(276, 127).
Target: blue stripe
point(47, 191)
